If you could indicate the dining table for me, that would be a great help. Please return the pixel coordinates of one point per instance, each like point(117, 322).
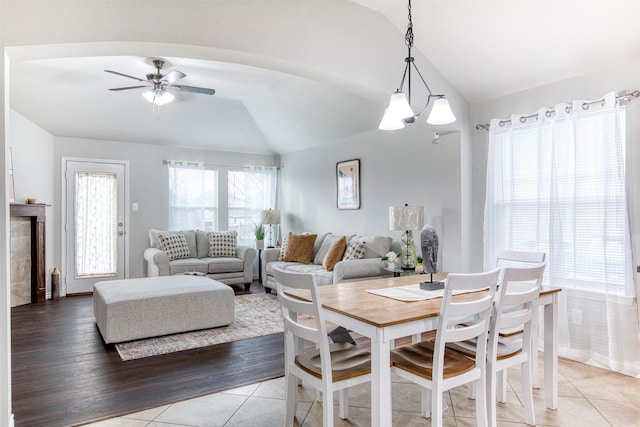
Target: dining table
point(355, 306)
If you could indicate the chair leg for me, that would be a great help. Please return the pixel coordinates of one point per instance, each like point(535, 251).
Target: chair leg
point(327, 409)
point(291, 388)
point(436, 408)
point(425, 395)
point(527, 394)
point(534, 354)
point(491, 395)
point(502, 385)
point(481, 402)
point(343, 399)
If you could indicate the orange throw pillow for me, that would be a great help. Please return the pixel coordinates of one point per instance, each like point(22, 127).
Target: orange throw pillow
point(300, 248)
point(334, 254)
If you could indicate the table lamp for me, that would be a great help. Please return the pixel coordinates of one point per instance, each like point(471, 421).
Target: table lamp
point(270, 217)
point(407, 218)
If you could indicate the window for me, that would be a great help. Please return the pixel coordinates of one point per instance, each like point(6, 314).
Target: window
point(250, 192)
point(193, 198)
point(558, 186)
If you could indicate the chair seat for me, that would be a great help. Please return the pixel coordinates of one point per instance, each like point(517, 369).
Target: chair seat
point(418, 359)
point(506, 348)
point(347, 361)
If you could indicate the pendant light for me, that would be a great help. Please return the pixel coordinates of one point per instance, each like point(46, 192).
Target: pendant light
point(399, 112)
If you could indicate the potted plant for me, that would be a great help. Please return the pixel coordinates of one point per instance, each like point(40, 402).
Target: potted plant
point(419, 265)
point(258, 231)
point(391, 258)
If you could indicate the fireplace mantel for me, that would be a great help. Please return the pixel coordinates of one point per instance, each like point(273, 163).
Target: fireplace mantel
point(38, 220)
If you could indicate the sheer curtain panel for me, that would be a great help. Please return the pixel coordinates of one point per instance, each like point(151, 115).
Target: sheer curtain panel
point(556, 183)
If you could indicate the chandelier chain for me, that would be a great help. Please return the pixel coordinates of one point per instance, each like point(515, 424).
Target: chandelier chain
point(408, 37)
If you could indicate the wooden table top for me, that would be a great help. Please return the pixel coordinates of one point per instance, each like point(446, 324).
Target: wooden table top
point(352, 299)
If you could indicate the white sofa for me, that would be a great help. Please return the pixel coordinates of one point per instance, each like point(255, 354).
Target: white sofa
point(236, 269)
point(369, 267)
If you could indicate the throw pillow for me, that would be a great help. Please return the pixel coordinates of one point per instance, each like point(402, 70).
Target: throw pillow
point(334, 254)
point(300, 248)
point(223, 244)
point(283, 247)
point(355, 249)
point(174, 244)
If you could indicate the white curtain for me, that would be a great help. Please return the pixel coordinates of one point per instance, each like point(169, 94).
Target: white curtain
point(556, 183)
point(193, 197)
point(251, 191)
point(96, 224)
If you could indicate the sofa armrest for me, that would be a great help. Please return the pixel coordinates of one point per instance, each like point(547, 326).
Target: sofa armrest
point(356, 268)
point(268, 255)
point(247, 255)
point(157, 262)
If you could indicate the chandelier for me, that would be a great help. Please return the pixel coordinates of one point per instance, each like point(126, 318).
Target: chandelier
point(399, 112)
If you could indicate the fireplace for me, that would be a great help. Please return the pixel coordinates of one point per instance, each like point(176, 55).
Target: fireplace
point(28, 282)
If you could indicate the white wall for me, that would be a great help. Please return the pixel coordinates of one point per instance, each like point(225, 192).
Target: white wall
point(396, 167)
point(621, 78)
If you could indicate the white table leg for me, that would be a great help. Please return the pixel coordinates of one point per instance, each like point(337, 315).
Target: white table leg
point(551, 352)
point(380, 382)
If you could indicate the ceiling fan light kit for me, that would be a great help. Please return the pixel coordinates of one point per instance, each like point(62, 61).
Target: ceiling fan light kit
point(399, 112)
point(159, 86)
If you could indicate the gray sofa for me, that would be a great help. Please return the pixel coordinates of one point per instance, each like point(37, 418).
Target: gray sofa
point(231, 270)
point(369, 267)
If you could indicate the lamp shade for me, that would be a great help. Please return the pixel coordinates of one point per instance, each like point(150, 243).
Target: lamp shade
point(158, 97)
point(270, 216)
point(441, 113)
point(406, 217)
point(399, 106)
point(390, 122)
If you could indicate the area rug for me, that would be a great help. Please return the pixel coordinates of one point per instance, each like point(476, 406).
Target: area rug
point(255, 315)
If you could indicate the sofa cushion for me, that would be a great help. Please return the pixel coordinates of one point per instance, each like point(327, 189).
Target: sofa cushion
point(223, 244)
point(187, 265)
point(335, 253)
point(223, 265)
point(174, 244)
point(355, 249)
point(189, 235)
point(202, 244)
point(300, 248)
point(376, 246)
point(283, 247)
point(323, 277)
point(328, 240)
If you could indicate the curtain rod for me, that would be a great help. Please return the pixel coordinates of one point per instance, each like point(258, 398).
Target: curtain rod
point(187, 164)
point(568, 108)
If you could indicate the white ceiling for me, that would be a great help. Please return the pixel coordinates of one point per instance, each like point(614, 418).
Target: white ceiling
point(484, 48)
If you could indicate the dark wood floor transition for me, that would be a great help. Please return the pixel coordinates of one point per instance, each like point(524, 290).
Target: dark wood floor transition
point(63, 374)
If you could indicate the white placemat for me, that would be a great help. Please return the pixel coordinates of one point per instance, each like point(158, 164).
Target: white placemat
point(407, 293)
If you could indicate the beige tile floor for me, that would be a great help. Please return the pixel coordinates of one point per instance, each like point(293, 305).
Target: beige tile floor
point(588, 396)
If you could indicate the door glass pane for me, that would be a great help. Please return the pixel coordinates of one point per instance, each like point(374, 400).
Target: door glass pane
point(96, 224)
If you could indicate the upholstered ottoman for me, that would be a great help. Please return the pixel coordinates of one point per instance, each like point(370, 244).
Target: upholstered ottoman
point(132, 309)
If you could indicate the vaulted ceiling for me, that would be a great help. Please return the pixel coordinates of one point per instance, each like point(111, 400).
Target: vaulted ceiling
point(483, 48)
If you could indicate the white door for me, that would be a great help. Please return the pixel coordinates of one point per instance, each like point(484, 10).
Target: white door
point(94, 223)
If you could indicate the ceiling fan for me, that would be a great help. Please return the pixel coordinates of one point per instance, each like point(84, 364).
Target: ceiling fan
point(159, 85)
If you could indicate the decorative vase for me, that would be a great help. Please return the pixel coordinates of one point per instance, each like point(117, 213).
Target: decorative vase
point(391, 265)
point(420, 268)
point(260, 244)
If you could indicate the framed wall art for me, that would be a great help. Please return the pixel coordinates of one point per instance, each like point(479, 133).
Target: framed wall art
point(348, 184)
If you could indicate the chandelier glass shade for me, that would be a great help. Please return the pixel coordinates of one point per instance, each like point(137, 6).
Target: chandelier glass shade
point(399, 112)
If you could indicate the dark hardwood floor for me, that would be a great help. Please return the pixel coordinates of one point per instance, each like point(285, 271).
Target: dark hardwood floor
point(63, 374)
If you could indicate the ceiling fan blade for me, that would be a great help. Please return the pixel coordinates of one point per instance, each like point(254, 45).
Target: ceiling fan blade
point(129, 87)
point(194, 89)
point(125, 75)
point(174, 76)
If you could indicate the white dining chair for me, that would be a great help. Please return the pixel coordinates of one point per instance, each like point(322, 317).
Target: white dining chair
point(511, 258)
point(515, 308)
point(327, 367)
point(435, 368)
